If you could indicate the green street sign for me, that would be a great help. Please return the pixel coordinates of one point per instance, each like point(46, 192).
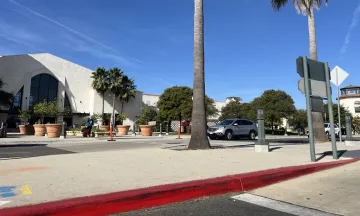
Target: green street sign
point(316, 69)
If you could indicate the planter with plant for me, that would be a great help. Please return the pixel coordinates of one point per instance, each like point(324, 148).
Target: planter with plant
point(26, 128)
point(122, 129)
point(40, 110)
point(105, 127)
point(53, 129)
point(148, 114)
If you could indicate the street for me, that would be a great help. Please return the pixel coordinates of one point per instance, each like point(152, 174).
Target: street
point(35, 150)
point(227, 205)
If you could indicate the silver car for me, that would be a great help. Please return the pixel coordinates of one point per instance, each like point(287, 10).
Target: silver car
point(231, 128)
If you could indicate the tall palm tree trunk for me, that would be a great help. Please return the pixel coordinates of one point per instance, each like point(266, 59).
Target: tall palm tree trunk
point(199, 138)
point(113, 113)
point(317, 117)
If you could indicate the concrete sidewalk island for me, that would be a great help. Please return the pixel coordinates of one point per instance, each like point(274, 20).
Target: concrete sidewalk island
point(52, 178)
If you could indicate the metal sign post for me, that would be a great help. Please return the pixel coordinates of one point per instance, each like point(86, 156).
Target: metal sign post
point(338, 76)
point(331, 114)
point(308, 110)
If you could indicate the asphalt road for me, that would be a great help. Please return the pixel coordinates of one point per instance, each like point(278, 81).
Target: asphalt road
point(208, 206)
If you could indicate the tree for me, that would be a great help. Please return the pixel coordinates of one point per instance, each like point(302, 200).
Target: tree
point(199, 138)
point(277, 104)
point(101, 85)
point(148, 114)
point(299, 119)
point(115, 78)
point(235, 109)
point(127, 92)
point(356, 124)
point(6, 98)
point(343, 112)
point(176, 103)
point(306, 7)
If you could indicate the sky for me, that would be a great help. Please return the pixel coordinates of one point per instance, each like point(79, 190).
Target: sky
point(249, 48)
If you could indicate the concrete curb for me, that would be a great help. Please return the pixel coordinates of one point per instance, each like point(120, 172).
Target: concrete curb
point(160, 195)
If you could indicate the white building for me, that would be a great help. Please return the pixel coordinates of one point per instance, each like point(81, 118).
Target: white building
point(34, 78)
point(350, 99)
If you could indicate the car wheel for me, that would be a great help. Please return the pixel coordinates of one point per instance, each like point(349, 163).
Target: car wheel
point(252, 135)
point(327, 133)
point(212, 138)
point(229, 135)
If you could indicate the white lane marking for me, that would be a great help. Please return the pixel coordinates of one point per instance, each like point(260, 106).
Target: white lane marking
point(4, 202)
point(279, 206)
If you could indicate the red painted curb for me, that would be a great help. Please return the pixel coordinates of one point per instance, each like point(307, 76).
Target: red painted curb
point(159, 195)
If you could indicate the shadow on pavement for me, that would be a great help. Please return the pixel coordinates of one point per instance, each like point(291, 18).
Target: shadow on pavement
point(9, 153)
point(20, 145)
point(329, 153)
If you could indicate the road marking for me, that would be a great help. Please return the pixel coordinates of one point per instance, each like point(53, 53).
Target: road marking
point(25, 189)
point(4, 202)
point(279, 206)
point(21, 169)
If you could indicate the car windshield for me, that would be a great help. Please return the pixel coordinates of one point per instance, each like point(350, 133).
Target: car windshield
point(225, 122)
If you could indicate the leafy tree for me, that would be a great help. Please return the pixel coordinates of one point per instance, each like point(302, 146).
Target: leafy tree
point(6, 98)
point(127, 92)
point(306, 7)
point(148, 114)
point(299, 119)
point(356, 124)
point(343, 112)
point(53, 109)
point(277, 104)
point(176, 103)
point(41, 110)
point(235, 109)
point(25, 115)
point(101, 84)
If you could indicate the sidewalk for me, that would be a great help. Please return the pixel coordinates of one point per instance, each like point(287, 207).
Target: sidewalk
point(58, 177)
point(336, 190)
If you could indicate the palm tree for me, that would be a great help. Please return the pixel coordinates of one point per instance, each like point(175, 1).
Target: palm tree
point(306, 7)
point(6, 98)
point(127, 91)
point(115, 77)
point(101, 84)
point(199, 138)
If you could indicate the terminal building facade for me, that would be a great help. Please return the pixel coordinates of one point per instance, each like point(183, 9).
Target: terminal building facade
point(33, 78)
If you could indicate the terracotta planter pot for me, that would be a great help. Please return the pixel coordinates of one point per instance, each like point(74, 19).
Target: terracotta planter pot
point(22, 129)
point(146, 130)
point(40, 129)
point(104, 128)
point(122, 130)
point(53, 130)
point(29, 129)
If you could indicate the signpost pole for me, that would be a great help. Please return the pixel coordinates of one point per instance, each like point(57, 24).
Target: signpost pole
point(331, 114)
point(338, 95)
point(308, 109)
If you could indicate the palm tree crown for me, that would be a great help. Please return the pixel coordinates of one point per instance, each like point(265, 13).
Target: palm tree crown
point(301, 6)
point(128, 89)
point(100, 82)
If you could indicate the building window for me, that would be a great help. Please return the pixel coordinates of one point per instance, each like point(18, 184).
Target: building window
point(16, 106)
point(44, 87)
point(357, 106)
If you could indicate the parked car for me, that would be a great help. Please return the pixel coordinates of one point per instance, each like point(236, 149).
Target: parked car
point(231, 128)
point(327, 130)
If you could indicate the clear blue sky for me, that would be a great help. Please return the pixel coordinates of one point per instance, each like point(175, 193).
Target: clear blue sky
point(249, 47)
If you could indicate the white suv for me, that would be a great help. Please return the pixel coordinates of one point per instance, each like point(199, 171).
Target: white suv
point(327, 129)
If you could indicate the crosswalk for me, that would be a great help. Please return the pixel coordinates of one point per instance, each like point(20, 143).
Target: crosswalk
point(279, 206)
